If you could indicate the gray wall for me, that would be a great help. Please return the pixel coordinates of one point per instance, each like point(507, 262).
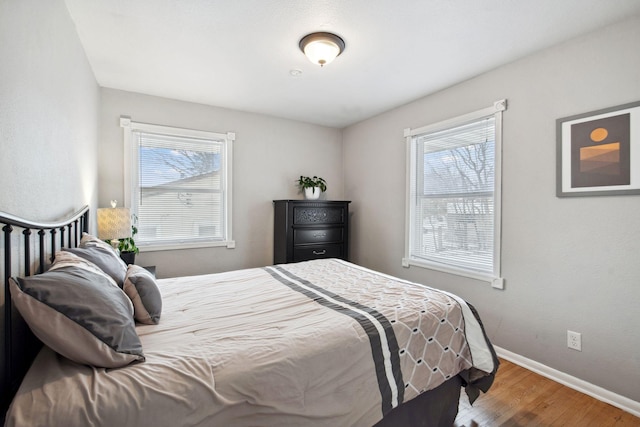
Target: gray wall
point(568, 263)
point(269, 154)
point(49, 103)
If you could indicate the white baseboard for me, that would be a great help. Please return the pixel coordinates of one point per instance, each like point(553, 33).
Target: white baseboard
point(624, 403)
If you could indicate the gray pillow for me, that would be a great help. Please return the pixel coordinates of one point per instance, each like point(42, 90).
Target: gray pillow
point(105, 258)
point(67, 259)
point(88, 240)
point(141, 287)
point(79, 314)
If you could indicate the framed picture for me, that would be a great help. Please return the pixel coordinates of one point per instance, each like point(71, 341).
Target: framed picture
point(598, 153)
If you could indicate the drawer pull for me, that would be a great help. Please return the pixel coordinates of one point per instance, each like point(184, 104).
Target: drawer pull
point(323, 234)
point(322, 252)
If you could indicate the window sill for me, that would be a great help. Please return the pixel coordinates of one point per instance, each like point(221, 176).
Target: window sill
point(477, 275)
point(231, 244)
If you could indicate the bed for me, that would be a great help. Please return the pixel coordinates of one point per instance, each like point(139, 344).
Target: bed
point(315, 343)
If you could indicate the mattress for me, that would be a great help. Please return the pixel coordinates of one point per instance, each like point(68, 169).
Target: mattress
point(316, 343)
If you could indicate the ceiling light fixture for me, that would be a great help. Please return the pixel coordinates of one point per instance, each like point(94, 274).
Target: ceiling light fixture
point(321, 48)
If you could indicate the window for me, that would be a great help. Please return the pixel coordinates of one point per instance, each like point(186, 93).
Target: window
point(453, 194)
point(178, 184)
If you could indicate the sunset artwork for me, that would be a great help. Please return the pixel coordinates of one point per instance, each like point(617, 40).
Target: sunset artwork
point(600, 152)
point(603, 159)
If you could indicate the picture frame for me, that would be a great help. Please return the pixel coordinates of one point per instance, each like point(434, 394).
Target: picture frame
point(598, 153)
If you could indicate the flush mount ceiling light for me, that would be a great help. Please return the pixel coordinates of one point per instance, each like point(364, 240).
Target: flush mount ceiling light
point(321, 48)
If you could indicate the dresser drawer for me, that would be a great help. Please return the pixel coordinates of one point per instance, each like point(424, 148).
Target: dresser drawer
point(318, 215)
point(318, 235)
point(305, 253)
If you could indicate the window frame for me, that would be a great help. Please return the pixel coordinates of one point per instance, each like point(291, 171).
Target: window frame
point(411, 135)
point(131, 173)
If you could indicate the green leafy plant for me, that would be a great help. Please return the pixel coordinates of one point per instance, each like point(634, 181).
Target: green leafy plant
point(128, 244)
point(307, 182)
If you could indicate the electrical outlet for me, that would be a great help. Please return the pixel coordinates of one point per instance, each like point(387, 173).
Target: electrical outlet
point(574, 340)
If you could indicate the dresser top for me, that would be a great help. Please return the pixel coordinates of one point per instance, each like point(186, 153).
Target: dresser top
point(311, 201)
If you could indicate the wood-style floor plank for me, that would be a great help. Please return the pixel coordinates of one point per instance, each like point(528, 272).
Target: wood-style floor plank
point(520, 398)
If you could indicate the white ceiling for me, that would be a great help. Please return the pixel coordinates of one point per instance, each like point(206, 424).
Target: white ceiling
point(238, 54)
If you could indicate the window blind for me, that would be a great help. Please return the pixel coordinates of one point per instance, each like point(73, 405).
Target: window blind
point(453, 196)
point(179, 190)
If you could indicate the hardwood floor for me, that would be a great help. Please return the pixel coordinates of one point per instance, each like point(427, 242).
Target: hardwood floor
point(520, 397)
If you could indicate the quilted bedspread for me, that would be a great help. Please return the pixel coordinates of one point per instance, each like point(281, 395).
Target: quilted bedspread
point(320, 343)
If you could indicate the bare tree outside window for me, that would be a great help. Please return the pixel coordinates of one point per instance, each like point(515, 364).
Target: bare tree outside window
point(189, 163)
point(456, 201)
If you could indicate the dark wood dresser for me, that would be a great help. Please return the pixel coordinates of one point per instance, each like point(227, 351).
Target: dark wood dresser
point(310, 229)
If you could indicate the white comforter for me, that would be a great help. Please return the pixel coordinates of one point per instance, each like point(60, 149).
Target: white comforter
point(323, 343)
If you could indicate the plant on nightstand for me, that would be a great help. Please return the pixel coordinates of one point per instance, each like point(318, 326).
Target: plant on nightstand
point(127, 247)
point(312, 187)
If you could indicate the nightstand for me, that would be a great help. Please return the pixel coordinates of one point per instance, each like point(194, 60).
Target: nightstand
point(151, 269)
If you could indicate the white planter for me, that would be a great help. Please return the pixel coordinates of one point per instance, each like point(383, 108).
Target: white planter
point(312, 193)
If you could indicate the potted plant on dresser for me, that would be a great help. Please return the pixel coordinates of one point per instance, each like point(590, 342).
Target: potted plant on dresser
point(312, 186)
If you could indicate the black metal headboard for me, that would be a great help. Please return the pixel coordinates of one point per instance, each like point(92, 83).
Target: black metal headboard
point(33, 252)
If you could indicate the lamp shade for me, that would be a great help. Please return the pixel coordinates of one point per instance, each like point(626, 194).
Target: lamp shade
point(321, 48)
point(114, 223)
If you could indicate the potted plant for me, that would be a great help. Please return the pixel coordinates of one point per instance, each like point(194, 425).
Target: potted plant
point(127, 247)
point(312, 187)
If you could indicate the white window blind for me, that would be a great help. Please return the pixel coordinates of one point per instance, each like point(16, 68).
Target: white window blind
point(453, 208)
point(179, 186)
